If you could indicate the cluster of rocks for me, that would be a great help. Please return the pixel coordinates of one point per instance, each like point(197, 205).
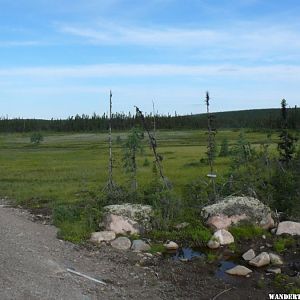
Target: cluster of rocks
point(125, 219)
point(121, 243)
point(230, 211)
point(135, 219)
point(261, 260)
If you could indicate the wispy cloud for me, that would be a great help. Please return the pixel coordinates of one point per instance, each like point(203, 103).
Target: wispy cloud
point(282, 72)
point(117, 35)
point(246, 39)
point(262, 34)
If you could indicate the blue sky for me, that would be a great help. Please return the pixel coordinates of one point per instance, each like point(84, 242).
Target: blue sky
point(61, 57)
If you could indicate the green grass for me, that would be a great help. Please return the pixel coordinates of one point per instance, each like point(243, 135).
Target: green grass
point(247, 231)
point(65, 167)
point(71, 169)
point(196, 234)
point(282, 243)
point(211, 257)
point(157, 248)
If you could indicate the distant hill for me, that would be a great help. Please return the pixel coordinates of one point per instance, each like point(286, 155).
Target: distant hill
point(255, 119)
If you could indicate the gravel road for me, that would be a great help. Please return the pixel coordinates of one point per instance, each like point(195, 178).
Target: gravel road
point(33, 265)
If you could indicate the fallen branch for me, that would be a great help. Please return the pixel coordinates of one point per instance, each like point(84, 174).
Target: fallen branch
point(223, 292)
point(85, 276)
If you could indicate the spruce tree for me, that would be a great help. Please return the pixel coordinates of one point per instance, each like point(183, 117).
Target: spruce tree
point(286, 144)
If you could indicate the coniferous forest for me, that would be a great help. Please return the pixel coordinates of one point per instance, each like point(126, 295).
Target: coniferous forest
point(254, 119)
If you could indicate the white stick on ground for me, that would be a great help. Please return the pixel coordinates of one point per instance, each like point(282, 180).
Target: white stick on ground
point(85, 276)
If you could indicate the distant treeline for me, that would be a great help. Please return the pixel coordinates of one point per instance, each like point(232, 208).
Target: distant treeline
point(253, 119)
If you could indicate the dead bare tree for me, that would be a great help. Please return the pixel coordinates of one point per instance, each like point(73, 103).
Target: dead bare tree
point(153, 144)
point(110, 184)
point(211, 145)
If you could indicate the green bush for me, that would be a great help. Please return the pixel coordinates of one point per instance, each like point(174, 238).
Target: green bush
point(36, 138)
point(76, 222)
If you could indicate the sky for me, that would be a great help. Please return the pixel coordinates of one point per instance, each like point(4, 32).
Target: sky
point(62, 57)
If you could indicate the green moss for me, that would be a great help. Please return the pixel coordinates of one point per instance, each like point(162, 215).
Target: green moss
point(233, 247)
point(261, 283)
point(282, 243)
point(134, 237)
point(211, 257)
point(157, 248)
point(286, 284)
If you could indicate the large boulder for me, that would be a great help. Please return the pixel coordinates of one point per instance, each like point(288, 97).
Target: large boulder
point(232, 210)
point(288, 227)
point(127, 218)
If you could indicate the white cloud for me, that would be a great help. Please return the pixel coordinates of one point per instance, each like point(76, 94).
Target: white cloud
point(256, 40)
point(117, 35)
point(258, 34)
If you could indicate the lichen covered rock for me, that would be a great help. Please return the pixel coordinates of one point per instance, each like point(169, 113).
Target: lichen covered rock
point(127, 218)
point(232, 210)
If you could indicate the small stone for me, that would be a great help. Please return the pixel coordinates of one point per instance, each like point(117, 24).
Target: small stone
point(213, 244)
point(264, 237)
point(275, 259)
point(121, 243)
point(102, 236)
point(148, 255)
point(250, 254)
point(274, 270)
point(139, 245)
point(260, 260)
point(183, 259)
point(171, 246)
point(239, 270)
point(262, 247)
point(224, 237)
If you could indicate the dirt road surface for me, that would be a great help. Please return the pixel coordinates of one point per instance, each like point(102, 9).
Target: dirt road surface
point(33, 265)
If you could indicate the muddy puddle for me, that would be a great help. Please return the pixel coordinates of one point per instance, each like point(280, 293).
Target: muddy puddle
point(188, 254)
